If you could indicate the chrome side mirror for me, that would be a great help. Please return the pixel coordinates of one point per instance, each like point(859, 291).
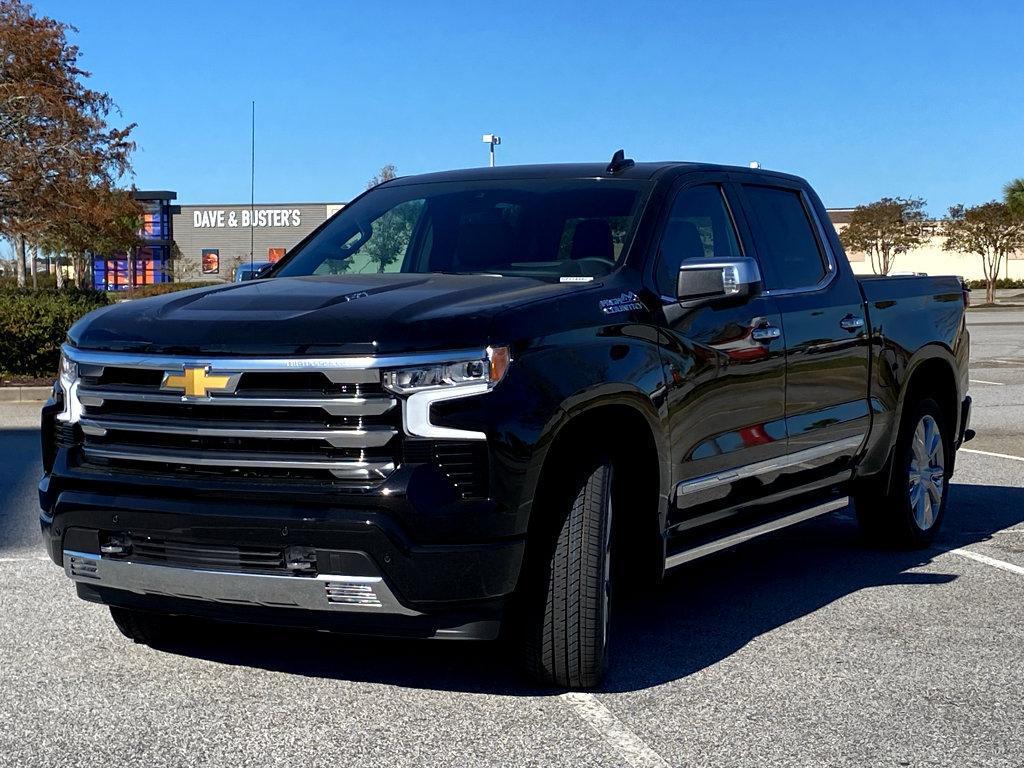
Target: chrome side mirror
point(707, 280)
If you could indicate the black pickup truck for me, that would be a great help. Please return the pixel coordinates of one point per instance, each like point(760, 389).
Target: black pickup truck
point(477, 402)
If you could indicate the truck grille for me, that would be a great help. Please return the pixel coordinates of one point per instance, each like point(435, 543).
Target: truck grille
point(195, 556)
point(336, 425)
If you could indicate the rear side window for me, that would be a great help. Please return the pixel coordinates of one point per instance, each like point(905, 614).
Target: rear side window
point(790, 253)
point(699, 226)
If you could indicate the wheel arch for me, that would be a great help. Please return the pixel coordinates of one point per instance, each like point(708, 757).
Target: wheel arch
point(624, 426)
point(930, 373)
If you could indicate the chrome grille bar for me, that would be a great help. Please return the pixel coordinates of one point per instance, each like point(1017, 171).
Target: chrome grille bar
point(367, 437)
point(359, 406)
point(347, 469)
point(339, 369)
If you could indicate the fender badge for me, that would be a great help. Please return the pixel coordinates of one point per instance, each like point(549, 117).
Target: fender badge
point(628, 301)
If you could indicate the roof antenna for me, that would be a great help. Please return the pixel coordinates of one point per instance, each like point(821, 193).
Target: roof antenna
point(619, 162)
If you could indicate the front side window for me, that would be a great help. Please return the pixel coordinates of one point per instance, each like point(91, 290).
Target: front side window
point(699, 226)
point(547, 229)
point(790, 253)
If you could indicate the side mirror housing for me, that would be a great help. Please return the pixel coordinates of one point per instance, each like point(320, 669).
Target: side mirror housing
point(707, 280)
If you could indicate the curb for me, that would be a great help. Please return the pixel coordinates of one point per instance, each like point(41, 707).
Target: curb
point(19, 394)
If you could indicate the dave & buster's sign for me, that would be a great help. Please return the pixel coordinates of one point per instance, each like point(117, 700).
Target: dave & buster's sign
point(261, 217)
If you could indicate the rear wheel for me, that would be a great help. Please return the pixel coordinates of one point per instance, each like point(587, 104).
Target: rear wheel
point(909, 512)
point(567, 606)
point(146, 628)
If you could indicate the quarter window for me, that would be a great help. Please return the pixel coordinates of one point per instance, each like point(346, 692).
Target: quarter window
point(790, 253)
point(699, 226)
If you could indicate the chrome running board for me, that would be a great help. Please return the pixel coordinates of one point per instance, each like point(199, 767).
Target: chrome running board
point(736, 538)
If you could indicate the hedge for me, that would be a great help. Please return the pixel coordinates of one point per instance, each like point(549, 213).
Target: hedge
point(33, 325)
point(156, 289)
point(1000, 283)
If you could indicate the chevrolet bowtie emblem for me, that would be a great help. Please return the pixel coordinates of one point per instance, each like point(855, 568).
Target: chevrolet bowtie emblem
point(197, 382)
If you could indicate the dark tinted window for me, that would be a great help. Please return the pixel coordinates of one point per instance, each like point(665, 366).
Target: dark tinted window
point(789, 250)
point(698, 226)
point(548, 229)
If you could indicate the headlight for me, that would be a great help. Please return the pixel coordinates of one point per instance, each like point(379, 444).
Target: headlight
point(68, 372)
point(488, 370)
point(67, 376)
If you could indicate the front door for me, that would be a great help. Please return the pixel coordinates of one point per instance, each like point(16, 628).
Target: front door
point(725, 367)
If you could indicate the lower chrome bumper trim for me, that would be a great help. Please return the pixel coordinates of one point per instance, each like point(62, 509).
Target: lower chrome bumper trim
point(325, 592)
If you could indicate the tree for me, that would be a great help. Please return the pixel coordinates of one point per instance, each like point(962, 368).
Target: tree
point(393, 230)
point(386, 174)
point(54, 136)
point(885, 229)
point(990, 230)
point(1013, 196)
point(96, 219)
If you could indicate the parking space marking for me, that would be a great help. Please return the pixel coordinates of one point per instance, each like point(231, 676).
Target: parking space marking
point(1010, 567)
point(994, 454)
point(634, 750)
point(983, 381)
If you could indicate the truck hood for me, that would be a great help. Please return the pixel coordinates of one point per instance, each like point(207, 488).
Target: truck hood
point(336, 315)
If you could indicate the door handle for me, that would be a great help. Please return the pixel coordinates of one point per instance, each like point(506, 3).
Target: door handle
point(852, 322)
point(766, 333)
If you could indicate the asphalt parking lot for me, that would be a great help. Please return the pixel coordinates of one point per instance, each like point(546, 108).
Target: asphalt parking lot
point(804, 647)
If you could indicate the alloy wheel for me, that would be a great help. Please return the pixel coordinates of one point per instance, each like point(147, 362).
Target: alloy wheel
point(927, 472)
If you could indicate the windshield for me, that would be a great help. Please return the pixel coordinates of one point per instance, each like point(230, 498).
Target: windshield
point(549, 229)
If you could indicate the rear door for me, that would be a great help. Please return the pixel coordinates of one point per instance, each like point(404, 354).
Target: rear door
point(724, 364)
point(823, 322)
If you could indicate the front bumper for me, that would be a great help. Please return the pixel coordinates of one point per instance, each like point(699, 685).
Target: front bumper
point(369, 577)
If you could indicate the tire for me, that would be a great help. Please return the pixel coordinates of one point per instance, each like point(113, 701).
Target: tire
point(907, 511)
point(147, 628)
point(567, 610)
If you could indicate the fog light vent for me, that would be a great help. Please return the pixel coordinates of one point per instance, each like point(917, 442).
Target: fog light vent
point(84, 567)
point(352, 594)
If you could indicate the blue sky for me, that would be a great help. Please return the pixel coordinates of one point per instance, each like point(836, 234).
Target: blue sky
point(864, 99)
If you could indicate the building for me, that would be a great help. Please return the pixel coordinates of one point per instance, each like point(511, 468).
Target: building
point(152, 262)
point(930, 257)
point(206, 242)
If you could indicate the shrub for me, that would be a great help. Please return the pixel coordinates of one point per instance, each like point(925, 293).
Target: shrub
point(34, 324)
point(1000, 283)
point(157, 289)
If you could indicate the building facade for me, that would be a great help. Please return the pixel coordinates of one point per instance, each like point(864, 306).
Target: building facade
point(206, 242)
point(213, 239)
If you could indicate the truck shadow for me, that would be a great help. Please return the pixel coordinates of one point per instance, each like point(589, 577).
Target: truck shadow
point(703, 613)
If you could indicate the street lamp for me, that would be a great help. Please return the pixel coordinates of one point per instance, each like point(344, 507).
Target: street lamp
point(492, 140)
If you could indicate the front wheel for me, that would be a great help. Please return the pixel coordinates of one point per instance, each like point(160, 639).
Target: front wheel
point(567, 611)
point(910, 511)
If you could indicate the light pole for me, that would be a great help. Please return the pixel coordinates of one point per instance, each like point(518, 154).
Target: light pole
point(492, 140)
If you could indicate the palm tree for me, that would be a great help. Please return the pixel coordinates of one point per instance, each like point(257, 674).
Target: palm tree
point(1013, 196)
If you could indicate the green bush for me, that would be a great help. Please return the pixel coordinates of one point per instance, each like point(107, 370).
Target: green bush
point(158, 289)
point(1000, 283)
point(33, 325)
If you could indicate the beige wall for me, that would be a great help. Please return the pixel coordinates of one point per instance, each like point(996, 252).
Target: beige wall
point(930, 258)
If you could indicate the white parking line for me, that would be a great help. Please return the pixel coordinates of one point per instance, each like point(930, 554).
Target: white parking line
point(634, 750)
point(994, 454)
point(1010, 567)
point(983, 381)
